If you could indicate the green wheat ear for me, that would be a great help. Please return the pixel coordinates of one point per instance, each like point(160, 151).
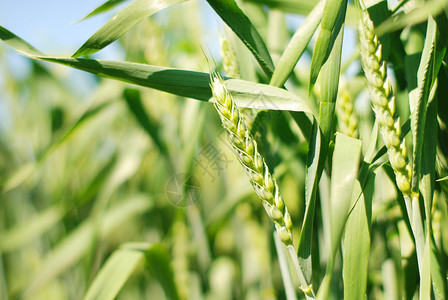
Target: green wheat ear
point(384, 102)
point(229, 60)
point(347, 119)
point(246, 149)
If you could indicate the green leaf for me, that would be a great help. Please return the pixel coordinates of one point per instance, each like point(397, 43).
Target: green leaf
point(188, 84)
point(313, 173)
point(425, 272)
point(425, 81)
point(301, 7)
point(443, 179)
point(437, 273)
point(284, 268)
point(159, 264)
point(121, 23)
point(135, 105)
point(427, 186)
point(356, 241)
point(421, 12)
point(297, 46)
point(184, 83)
point(17, 43)
point(332, 20)
point(235, 18)
point(116, 271)
point(346, 156)
point(97, 183)
point(119, 267)
point(106, 6)
point(329, 88)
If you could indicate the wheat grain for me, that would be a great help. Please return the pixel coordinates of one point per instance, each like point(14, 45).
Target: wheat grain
point(384, 102)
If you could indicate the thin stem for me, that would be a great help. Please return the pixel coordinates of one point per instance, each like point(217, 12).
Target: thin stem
point(284, 267)
point(417, 228)
point(414, 216)
point(306, 287)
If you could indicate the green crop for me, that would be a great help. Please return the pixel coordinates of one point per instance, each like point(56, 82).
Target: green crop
point(287, 171)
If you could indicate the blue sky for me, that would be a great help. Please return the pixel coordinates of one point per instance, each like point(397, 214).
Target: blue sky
point(49, 25)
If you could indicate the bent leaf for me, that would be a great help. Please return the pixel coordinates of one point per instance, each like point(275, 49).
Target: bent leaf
point(235, 18)
point(185, 83)
point(121, 23)
point(119, 267)
point(106, 6)
point(332, 18)
point(297, 46)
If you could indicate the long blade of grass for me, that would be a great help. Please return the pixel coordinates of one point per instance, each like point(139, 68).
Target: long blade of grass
point(121, 23)
point(184, 83)
point(427, 187)
point(425, 273)
point(159, 265)
point(235, 18)
point(346, 158)
point(99, 180)
point(356, 239)
point(425, 82)
point(437, 273)
point(419, 14)
point(301, 7)
point(330, 85)
point(304, 8)
point(441, 41)
point(17, 43)
point(106, 6)
point(284, 268)
point(356, 242)
point(313, 173)
point(116, 271)
point(134, 101)
point(297, 46)
point(329, 30)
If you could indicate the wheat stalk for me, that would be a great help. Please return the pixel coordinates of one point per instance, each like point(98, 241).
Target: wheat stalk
point(384, 103)
point(260, 177)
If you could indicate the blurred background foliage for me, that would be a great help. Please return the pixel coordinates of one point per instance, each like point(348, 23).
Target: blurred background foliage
point(90, 176)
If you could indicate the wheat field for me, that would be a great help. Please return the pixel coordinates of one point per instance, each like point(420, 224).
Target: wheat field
point(300, 152)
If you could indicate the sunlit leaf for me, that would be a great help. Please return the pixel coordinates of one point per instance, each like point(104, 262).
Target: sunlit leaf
point(121, 23)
